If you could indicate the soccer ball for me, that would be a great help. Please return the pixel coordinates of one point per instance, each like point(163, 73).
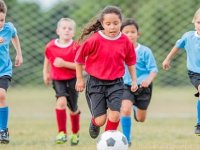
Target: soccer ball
point(112, 140)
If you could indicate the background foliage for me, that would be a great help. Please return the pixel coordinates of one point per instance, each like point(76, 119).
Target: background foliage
point(161, 24)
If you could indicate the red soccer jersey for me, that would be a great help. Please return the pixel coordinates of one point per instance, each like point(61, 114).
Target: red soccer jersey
point(104, 58)
point(67, 53)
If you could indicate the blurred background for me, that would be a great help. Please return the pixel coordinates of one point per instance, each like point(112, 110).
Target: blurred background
point(161, 24)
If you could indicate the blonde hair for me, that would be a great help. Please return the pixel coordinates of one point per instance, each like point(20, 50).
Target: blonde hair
point(197, 13)
point(67, 19)
point(3, 7)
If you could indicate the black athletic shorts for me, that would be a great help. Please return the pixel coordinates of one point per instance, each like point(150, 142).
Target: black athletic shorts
point(67, 88)
point(103, 94)
point(141, 98)
point(195, 80)
point(5, 82)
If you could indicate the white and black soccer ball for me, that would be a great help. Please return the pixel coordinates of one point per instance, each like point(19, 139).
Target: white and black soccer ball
point(112, 140)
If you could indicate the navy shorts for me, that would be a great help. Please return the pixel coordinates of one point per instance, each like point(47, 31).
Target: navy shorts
point(195, 80)
point(5, 82)
point(67, 88)
point(103, 94)
point(141, 98)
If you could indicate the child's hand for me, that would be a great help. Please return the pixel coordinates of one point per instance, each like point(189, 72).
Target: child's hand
point(145, 83)
point(18, 60)
point(58, 62)
point(166, 64)
point(134, 86)
point(80, 85)
point(47, 79)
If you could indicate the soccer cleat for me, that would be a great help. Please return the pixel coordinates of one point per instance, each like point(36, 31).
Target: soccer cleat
point(61, 138)
point(197, 130)
point(4, 136)
point(129, 144)
point(74, 139)
point(94, 130)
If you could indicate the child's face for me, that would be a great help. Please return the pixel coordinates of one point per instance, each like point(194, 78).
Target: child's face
point(66, 30)
point(111, 24)
point(197, 24)
point(2, 19)
point(131, 32)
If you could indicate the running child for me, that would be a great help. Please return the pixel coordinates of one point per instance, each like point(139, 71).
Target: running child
point(190, 42)
point(59, 67)
point(146, 71)
point(104, 54)
point(8, 33)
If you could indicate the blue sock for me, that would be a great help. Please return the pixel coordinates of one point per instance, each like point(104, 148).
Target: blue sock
point(198, 111)
point(126, 127)
point(3, 118)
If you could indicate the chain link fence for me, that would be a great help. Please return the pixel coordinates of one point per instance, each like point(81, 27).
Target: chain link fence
point(161, 23)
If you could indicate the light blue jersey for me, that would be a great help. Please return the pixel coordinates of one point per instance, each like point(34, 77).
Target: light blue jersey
point(145, 64)
point(7, 32)
point(190, 41)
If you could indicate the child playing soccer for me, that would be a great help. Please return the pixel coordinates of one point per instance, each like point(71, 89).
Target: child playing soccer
point(59, 67)
point(8, 33)
point(190, 42)
point(104, 54)
point(146, 71)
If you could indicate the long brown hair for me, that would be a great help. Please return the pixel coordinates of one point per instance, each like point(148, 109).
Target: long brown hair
point(95, 25)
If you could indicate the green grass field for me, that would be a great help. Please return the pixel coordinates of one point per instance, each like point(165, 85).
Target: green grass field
point(169, 125)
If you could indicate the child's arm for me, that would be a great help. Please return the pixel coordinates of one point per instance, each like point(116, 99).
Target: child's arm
point(18, 58)
point(167, 61)
point(46, 71)
point(80, 85)
point(132, 72)
point(59, 62)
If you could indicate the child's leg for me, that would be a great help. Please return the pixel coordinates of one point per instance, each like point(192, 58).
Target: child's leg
point(139, 114)
point(61, 114)
point(126, 119)
point(75, 121)
point(3, 110)
point(198, 107)
point(113, 120)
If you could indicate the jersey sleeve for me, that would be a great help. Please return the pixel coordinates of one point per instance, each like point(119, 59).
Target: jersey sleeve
point(130, 58)
point(150, 61)
point(180, 43)
point(13, 30)
point(82, 52)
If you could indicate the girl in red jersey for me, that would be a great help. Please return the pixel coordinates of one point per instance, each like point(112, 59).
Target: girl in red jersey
point(59, 67)
point(104, 54)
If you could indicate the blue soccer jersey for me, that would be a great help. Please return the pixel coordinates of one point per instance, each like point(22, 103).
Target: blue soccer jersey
point(190, 41)
point(7, 32)
point(145, 64)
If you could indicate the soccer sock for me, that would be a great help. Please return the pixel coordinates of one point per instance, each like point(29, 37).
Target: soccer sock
point(126, 127)
point(111, 125)
point(61, 117)
point(75, 122)
point(93, 121)
point(198, 111)
point(3, 118)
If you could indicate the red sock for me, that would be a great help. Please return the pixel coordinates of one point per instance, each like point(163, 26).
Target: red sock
point(61, 117)
point(93, 121)
point(75, 122)
point(111, 125)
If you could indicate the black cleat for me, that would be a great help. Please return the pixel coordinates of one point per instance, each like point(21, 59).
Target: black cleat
point(197, 130)
point(196, 94)
point(94, 130)
point(4, 136)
